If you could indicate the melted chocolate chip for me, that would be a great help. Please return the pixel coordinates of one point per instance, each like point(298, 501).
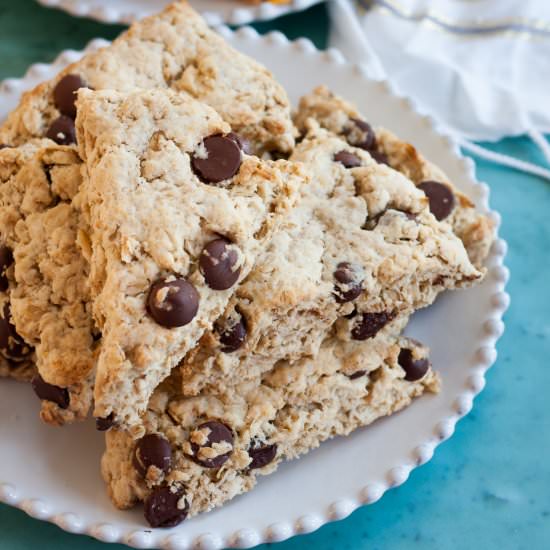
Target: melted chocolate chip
point(106, 423)
point(6, 260)
point(218, 433)
point(415, 369)
point(369, 324)
point(349, 160)
point(3, 146)
point(357, 374)
point(62, 131)
point(348, 285)
point(152, 450)
point(244, 144)
point(361, 135)
point(64, 94)
point(219, 264)
point(221, 161)
point(165, 508)
point(12, 345)
point(49, 392)
point(173, 303)
point(440, 197)
point(261, 456)
point(232, 334)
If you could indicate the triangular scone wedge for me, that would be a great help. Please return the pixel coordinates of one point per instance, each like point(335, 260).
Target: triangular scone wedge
point(359, 249)
point(174, 49)
point(177, 215)
point(48, 290)
point(447, 203)
point(200, 452)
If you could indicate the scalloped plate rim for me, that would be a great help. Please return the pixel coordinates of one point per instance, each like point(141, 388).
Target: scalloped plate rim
point(342, 505)
point(215, 13)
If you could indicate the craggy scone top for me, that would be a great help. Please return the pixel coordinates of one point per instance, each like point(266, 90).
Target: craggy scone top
point(447, 203)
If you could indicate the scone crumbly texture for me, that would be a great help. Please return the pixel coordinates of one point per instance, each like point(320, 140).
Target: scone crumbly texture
point(16, 359)
point(339, 116)
point(174, 49)
point(294, 409)
point(370, 219)
point(152, 218)
point(48, 290)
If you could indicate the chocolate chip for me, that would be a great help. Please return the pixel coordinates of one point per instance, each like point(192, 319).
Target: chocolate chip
point(361, 135)
point(380, 157)
point(262, 456)
point(357, 374)
point(106, 423)
point(218, 433)
point(244, 144)
point(62, 131)
point(165, 507)
point(348, 285)
point(369, 324)
point(6, 259)
point(64, 94)
point(152, 450)
point(49, 392)
point(219, 264)
point(11, 344)
point(3, 146)
point(173, 303)
point(349, 160)
point(440, 197)
point(232, 334)
point(219, 161)
point(415, 369)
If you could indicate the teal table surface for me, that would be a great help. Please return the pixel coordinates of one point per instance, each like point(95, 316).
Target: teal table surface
point(489, 486)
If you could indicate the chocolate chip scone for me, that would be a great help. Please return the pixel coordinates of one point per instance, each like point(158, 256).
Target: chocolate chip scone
point(199, 452)
point(174, 49)
point(309, 346)
point(48, 292)
point(359, 249)
point(177, 214)
point(16, 356)
point(446, 202)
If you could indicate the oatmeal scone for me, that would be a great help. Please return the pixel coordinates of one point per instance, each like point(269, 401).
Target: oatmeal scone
point(359, 249)
point(16, 356)
point(177, 214)
point(47, 277)
point(174, 49)
point(199, 452)
point(446, 202)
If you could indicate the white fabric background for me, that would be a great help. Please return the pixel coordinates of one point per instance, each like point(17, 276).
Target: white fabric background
point(481, 67)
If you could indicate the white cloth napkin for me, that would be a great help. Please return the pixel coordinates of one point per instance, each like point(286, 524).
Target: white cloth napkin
point(480, 67)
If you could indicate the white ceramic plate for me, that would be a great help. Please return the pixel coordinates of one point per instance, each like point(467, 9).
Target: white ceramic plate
point(53, 474)
point(216, 12)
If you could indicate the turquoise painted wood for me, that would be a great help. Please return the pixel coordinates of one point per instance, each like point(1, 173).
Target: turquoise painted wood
point(489, 486)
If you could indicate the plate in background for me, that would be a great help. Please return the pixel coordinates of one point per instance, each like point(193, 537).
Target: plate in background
point(216, 12)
